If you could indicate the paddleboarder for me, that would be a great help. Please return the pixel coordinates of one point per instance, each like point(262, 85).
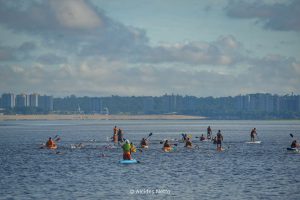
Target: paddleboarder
point(120, 135)
point(219, 140)
point(253, 134)
point(126, 150)
point(209, 131)
point(115, 135)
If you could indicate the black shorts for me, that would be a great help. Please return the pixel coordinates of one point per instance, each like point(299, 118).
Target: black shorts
point(219, 142)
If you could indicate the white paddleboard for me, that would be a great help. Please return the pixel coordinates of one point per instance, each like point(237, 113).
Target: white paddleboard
point(255, 142)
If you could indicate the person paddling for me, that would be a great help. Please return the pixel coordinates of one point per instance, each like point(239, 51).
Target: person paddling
point(144, 143)
point(253, 134)
point(188, 143)
point(202, 137)
point(184, 137)
point(50, 143)
point(209, 132)
point(219, 140)
point(126, 150)
point(295, 144)
point(115, 135)
point(166, 144)
point(120, 135)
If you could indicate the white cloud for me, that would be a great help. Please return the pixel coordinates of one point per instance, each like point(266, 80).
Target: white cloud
point(75, 14)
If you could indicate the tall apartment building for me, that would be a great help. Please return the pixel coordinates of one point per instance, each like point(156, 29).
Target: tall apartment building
point(21, 100)
point(8, 100)
point(45, 103)
point(34, 100)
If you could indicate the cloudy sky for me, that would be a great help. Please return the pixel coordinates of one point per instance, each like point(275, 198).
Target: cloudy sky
point(138, 47)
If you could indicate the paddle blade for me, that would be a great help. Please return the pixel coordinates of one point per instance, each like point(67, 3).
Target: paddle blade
point(291, 135)
point(150, 134)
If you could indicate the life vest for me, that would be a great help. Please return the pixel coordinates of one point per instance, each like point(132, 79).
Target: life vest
point(50, 143)
point(133, 149)
point(126, 147)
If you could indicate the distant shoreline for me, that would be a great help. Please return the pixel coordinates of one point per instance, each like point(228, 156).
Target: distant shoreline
point(97, 117)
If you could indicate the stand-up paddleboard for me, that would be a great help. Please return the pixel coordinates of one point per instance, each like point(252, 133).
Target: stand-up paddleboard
point(132, 161)
point(255, 142)
point(206, 140)
point(293, 150)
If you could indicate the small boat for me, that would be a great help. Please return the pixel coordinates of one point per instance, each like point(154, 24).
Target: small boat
point(293, 150)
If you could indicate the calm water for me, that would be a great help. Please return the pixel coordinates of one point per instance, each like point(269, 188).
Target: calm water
point(242, 171)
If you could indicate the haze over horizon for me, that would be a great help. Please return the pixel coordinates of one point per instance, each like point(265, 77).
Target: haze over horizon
point(142, 48)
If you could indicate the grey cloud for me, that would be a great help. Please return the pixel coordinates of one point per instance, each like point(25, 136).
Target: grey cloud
point(226, 50)
point(6, 53)
point(67, 25)
point(55, 24)
point(273, 74)
point(277, 16)
point(27, 46)
point(22, 52)
point(51, 59)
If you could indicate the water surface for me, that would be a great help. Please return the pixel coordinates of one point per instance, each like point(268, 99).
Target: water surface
point(242, 171)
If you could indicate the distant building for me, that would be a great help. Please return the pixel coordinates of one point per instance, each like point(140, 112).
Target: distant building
point(8, 100)
point(298, 103)
point(45, 103)
point(96, 105)
point(148, 105)
point(169, 103)
point(34, 100)
point(21, 101)
point(242, 102)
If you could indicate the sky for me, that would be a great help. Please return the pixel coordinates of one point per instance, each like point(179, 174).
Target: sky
point(150, 48)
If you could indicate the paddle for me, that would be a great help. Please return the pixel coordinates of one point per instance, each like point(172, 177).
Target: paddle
point(150, 134)
point(56, 138)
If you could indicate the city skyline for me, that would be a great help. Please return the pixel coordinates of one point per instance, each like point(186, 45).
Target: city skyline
point(141, 48)
point(159, 95)
point(251, 106)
